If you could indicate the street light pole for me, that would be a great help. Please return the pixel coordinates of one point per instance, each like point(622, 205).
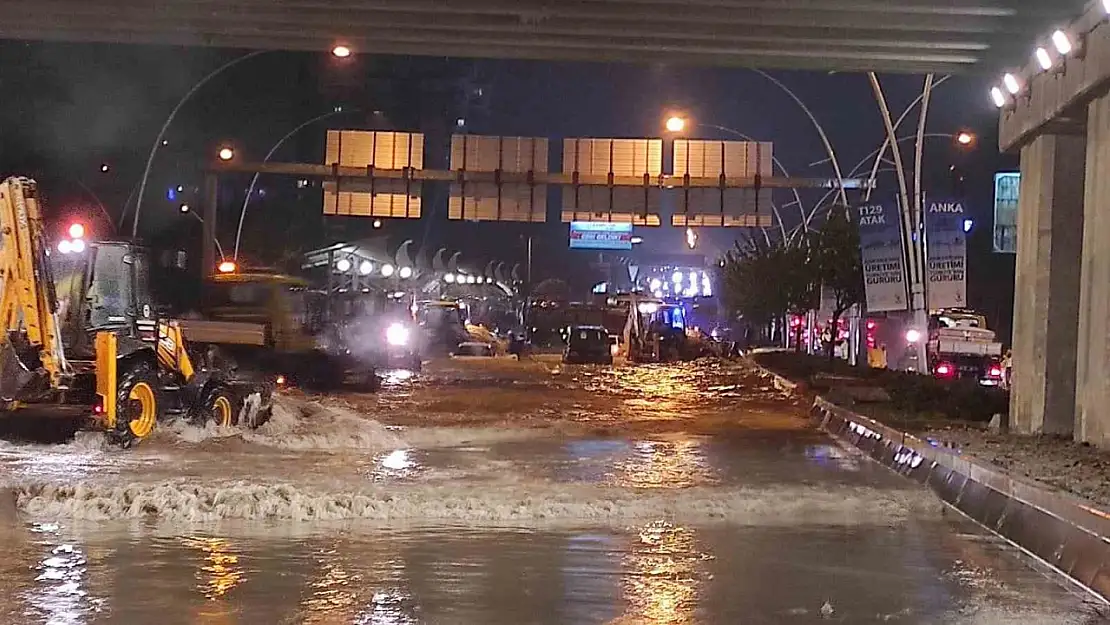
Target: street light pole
point(817, 126)
point(188, 211)
point(269, 155)
point(166, 125)
point(877, 161)
point(910, 234)
point(99, 204)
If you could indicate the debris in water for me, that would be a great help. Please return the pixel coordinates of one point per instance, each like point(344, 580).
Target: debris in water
point(826, 610)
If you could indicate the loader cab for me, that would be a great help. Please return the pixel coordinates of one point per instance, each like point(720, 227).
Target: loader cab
point(105, 287)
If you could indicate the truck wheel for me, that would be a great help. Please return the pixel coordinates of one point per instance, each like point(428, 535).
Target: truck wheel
point(222, 408)
point(138, 405)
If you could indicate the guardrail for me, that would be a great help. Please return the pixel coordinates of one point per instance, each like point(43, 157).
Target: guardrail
point(1066, 533)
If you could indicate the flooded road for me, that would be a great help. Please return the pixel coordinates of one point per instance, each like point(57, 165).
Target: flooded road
point(502, 492)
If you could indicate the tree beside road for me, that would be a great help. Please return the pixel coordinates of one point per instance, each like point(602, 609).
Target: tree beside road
point(768, 280)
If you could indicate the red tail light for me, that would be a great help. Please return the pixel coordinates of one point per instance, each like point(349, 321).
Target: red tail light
point(944, 370)
point(995, 371)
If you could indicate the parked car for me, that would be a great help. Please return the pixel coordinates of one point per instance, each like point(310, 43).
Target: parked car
point(588, 345)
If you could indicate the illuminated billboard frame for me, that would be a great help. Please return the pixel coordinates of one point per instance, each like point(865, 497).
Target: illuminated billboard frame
point(600, 235)
point(1007, 187)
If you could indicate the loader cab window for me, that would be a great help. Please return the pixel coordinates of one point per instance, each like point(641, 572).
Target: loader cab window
point(144, 302)
point(109, 295)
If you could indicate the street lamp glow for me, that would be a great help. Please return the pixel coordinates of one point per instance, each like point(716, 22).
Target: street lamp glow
point(387, 270)
point(366, 267)
point(341, 52)
point(226, 154)
point(377, 223)
point(405, 273)
point(913, 336)
point(1012, 84)
point(105, 167)
point(998, 97)
point(675, 124)
point(226, 267)
point(76, 231)
point(343, 265)
point(1044, 59)
point(77, 246)
point(965, 138)
point(184, 208)
point(1062, 42)
point(449, 278)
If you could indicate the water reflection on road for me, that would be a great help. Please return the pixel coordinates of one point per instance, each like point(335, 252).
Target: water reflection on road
point(657, 573)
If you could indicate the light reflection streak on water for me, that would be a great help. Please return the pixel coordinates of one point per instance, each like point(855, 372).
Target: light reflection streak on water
point(338, 594)
point(663, 576)
point(396, 377)
point(831, 456)
point(59, 594)
point(398, 463)
point(387, 607)
point(659, 464)
point(333, 594)
point(30, 462)
point(220, 571)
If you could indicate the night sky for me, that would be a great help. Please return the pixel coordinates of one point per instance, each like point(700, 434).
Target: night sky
point(69, 108)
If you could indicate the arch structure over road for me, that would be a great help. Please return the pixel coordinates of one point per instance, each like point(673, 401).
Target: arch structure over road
point(1055, 111)
point(944, 36)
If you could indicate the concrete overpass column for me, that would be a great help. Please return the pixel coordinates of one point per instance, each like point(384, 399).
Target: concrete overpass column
point(1046, 297)
point(1093, 368)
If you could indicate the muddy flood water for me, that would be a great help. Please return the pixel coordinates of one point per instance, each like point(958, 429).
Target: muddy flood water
point(496, 492)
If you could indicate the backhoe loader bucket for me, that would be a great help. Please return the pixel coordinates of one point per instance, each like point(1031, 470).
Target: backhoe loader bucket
point(14, 376)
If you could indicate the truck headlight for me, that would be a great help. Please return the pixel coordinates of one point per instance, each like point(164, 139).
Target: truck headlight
point(397, 335)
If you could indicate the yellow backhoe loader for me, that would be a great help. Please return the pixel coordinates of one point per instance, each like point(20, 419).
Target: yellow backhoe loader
point(81, 335)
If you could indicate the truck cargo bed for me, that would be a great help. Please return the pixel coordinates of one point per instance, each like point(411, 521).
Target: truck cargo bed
point(224, 332)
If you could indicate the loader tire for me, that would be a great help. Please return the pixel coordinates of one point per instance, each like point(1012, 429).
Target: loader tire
point(138, 403)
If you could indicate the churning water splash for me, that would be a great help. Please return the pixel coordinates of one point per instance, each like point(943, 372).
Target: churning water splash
point(310, 426)
point(493, 502)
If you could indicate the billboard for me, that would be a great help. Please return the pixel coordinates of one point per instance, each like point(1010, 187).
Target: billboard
point(718, 206)
point(600, 235)
point(1007, 184)
point(884, 269)
point(946, 253)
point(398, 199)
point(493, 201)
point(618, 158)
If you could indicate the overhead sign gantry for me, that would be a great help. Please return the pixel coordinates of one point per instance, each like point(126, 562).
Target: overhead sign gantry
point(381, 174)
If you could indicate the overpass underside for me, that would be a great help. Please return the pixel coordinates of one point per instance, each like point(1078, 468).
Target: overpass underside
point(1060, 122)
point(880, 35)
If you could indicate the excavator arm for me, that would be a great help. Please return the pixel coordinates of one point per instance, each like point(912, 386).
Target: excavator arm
point(28, 304)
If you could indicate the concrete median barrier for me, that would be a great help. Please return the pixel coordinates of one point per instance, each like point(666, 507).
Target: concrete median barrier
point(1067, 533)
